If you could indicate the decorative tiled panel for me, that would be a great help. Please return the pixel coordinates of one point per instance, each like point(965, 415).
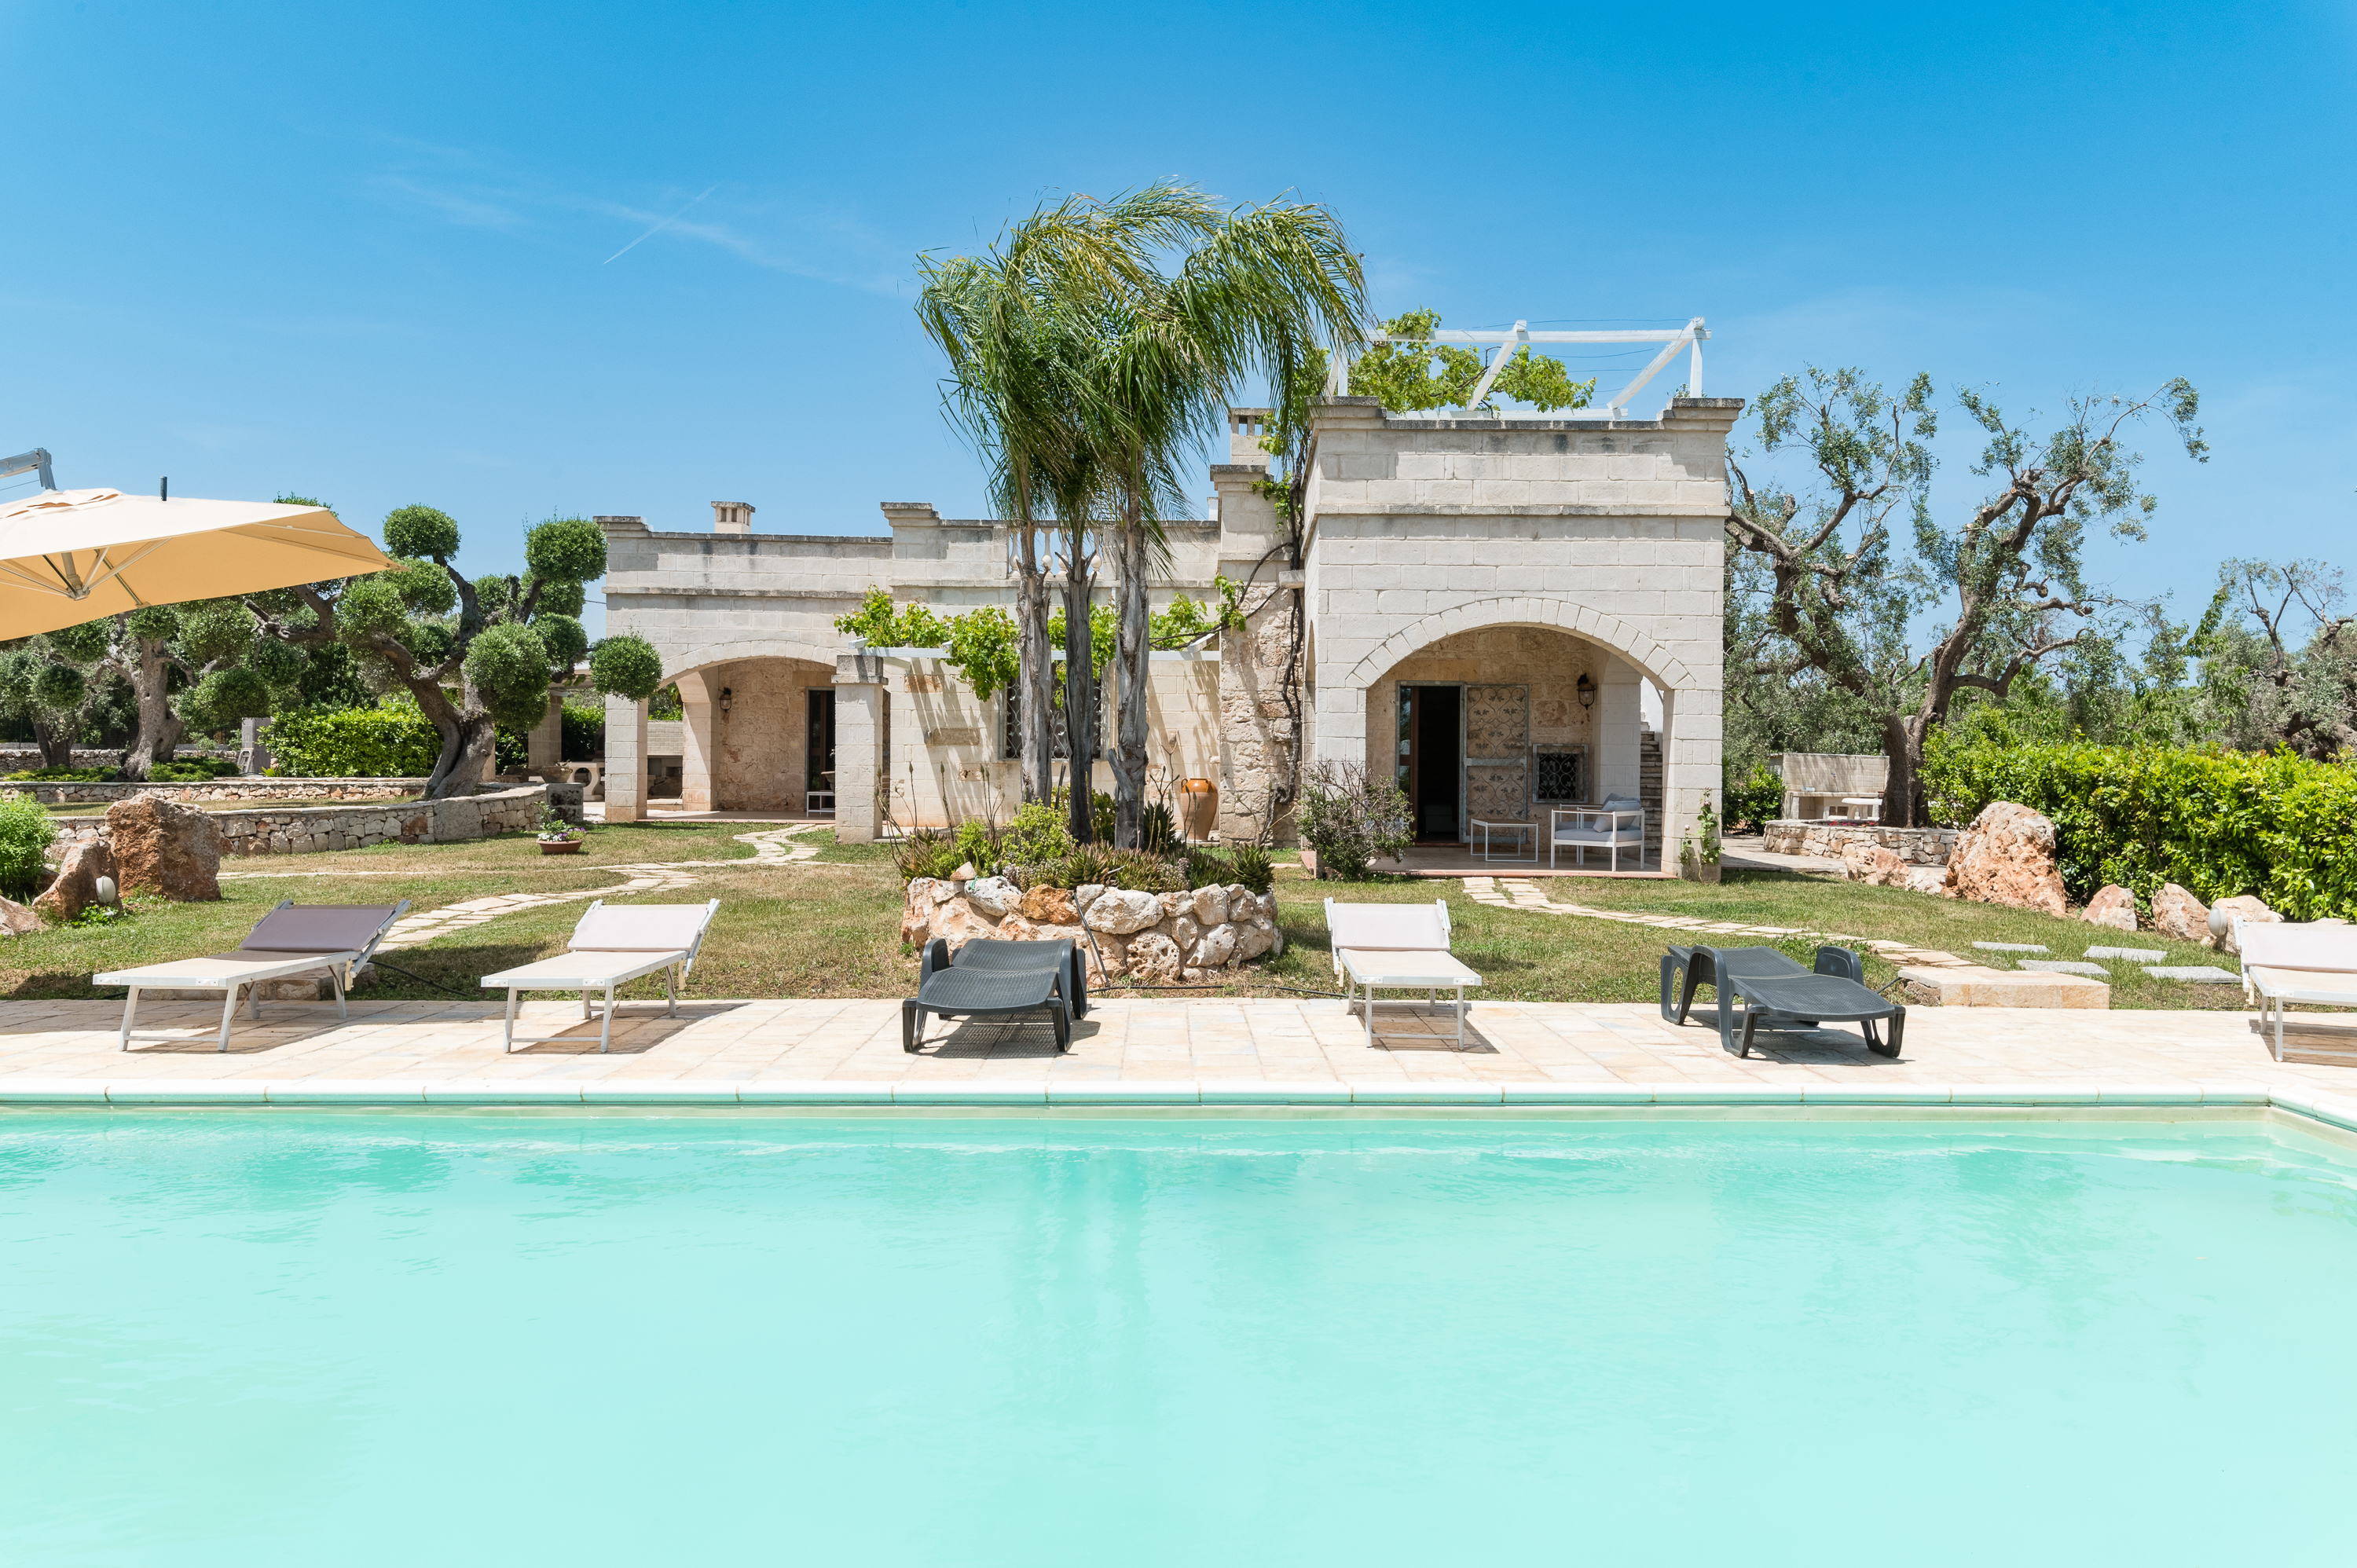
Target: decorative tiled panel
point(1497, 794)
point(1497, 721)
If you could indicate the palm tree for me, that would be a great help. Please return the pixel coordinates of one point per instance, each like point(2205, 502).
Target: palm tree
point(1260, 288)
point(1019, 326)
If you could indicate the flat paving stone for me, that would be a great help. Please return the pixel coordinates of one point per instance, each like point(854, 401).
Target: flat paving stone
point(2199, 974)
point(2137, 955)
point(2012, 947)
point(2064, 966)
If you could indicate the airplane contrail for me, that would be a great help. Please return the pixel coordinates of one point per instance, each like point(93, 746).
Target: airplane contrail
point(655, 230)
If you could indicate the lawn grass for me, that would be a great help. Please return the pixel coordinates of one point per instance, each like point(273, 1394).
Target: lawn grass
point(830, 927)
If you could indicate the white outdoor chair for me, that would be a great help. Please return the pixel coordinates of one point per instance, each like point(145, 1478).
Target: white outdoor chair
point(1616, 825)
point(1397, 947)
point(2313, 962)
point(293, 938)
point(612, 947)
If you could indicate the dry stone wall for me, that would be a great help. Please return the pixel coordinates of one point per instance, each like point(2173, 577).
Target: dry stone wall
point(1156, 939)
point(233, 789)
point(1913, 846)
point(306, 830)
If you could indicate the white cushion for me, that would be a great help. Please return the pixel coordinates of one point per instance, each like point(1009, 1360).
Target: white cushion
point(1399, 927)
point(2312, 946)
point(640, 928)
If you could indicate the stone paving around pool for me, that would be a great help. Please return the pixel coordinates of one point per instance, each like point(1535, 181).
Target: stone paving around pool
point(1307, 1042)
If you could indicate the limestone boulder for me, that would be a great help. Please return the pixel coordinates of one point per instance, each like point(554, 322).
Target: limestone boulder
point(1931, 879)
point(2178, 914)
point(994, 895)
point(1253, 937)
point(2112, 906)
point(1117, 912)
point(1155, 959)
point(1106, 955)
point(958, 922)
point(1184, 930)
point(76, 888)
point(1210, 906)
point(1214, 948)
point(2006, 857)
point(1050, 907)
point(2244, 906)
point(1015, 929)
point(1086, 894)
point(165, 847)
point(1177, 904)
point(1874, 866)
point(916, 913)
point(17, 919)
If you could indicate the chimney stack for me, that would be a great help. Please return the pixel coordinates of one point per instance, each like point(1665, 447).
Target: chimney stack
point(1245, 428)
point(732, 517)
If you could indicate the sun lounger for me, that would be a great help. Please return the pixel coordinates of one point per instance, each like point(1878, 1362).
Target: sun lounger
point(988, 987)
point(1835, 993)
point(293, 938)
point(1397, 947)
point(1688, 970)
point(1061, 955)
point(612, 947)
point(2312, 963)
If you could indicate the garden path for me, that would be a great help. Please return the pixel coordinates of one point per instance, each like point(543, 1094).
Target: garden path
point(771, 847)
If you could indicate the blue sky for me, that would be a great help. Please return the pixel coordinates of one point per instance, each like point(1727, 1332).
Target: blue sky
point(403, 253)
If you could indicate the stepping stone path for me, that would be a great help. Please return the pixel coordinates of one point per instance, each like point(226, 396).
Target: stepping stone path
point(2013, 947)
point(1522, 893)
point(2201, 974)
point(2064, 966)
point(771, 847)
point(2137, 955)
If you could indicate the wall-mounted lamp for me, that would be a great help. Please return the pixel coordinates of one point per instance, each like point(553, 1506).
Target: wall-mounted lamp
point(1586, 688)
point(728, 696)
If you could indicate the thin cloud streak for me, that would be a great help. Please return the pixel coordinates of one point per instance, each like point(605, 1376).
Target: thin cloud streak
point(658, 229)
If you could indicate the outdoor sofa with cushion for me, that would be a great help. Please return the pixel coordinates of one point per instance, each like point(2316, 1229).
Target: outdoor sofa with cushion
point(1775, 992)
point(1616, 825)
point(990, 978)
point(613, 945)
point(2312, 963)
point(293, 938)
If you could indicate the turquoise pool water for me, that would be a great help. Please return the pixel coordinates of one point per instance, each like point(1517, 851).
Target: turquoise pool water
point(296, 1338)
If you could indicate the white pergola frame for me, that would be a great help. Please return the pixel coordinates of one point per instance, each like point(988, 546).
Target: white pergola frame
point(1689, 336)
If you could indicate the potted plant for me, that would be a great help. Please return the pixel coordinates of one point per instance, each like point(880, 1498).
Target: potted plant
point(558, 836)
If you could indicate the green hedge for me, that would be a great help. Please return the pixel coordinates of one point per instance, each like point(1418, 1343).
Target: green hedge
point(2215, 822)
point(355, 743)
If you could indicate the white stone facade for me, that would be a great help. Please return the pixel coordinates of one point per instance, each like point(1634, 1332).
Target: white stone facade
point(1544, 568)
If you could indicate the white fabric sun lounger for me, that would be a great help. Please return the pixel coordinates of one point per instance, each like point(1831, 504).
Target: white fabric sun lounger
point(293, 938)
point(2312, 963)
point(611, 947)
point(1397, 947)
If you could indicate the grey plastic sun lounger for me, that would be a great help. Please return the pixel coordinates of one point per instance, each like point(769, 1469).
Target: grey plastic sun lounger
point(1834, 993)
point(968, 990)
point(1685, 971)
point(612, 947)
point(1062, 955)
point(293, 938)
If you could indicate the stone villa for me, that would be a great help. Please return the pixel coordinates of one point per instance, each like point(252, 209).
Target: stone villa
point(1480, 603)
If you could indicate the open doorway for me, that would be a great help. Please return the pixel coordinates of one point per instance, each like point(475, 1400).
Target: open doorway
point(1432, 758)
point(818, 755)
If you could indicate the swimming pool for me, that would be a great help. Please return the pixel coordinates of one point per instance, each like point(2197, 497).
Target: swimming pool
point(360, 1338)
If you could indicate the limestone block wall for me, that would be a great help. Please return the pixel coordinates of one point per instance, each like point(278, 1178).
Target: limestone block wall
point(1916, 847)
point(304, 830)
point(1424, 529)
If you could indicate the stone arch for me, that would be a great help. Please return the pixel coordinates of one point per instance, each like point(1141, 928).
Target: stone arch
point(1610, 632)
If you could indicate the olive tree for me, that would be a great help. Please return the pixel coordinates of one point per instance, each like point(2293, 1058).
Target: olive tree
point(475, 653)
point(2004, 587)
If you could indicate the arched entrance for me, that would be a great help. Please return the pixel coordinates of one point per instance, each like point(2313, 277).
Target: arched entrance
point(756, 734)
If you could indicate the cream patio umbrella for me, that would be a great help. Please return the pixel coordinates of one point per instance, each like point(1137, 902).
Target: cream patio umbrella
point(71, 556)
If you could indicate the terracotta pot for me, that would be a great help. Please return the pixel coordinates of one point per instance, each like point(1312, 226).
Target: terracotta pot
point(562, 846)
point(1198, 807)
